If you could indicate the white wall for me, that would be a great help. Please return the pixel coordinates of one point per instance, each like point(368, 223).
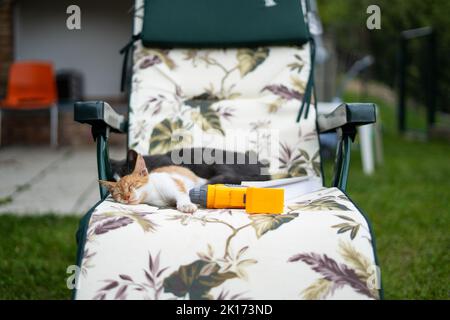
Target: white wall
point(41, 33)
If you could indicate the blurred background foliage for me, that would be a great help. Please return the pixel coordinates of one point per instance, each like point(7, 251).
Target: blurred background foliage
point(345, 22)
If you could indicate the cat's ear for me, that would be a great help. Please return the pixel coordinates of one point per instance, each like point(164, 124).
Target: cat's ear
point(140, 168)
point(131, 159)
point(107, 184)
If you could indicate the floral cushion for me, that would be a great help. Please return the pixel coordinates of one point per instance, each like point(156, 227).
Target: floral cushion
point(321, 247)
point(230, 99)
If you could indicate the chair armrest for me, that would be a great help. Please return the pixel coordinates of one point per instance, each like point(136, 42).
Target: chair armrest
point(99, 114)
point(344, 118)
point(331, 117)
point(103, 120)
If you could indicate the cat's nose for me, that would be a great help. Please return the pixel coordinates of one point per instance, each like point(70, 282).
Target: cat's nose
point(126, 197)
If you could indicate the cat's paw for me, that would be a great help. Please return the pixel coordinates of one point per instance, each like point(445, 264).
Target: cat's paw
point(187, 207)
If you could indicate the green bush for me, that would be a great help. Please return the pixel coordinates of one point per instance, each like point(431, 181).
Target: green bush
point(345, 21)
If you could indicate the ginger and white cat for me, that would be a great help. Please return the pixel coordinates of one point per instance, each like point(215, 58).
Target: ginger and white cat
point(164, 186)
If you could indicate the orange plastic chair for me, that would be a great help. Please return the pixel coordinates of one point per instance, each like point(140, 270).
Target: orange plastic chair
point(31, 86)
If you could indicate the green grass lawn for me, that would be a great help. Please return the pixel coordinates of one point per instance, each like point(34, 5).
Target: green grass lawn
point(34, 255)
point(407, 201)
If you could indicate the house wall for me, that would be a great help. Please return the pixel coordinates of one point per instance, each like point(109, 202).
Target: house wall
point(40, 33)
point(31, 29)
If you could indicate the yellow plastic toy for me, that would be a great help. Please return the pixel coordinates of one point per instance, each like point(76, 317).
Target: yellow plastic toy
point(254, 200)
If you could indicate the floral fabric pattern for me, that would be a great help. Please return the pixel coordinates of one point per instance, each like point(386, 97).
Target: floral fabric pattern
point(244, 99)
point(319, 248)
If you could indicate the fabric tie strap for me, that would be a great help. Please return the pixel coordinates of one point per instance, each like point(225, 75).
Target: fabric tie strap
point(126, 52)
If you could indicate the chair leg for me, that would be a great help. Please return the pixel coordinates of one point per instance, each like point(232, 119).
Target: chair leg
point(365, 138)
point(378, 140)
point(54, 126)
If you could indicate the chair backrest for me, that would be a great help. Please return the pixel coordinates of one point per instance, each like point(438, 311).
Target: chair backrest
point(220, 93)
point(31, 84)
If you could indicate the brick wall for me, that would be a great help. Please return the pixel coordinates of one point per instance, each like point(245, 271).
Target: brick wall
point(6, 42)
point(33, 128)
